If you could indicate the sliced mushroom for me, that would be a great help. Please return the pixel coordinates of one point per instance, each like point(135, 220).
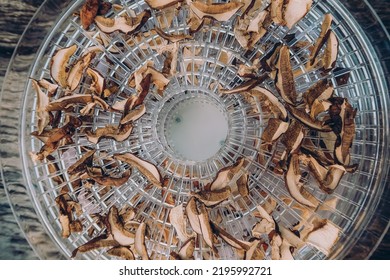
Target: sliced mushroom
point(98, 82)
point(295, 10)
point(275, 128)
point(186, 251)
point(139, 245)
point(285, 250)
point(107, 180)
point(179, 222)
point(228, 238)
point(225, 175)
point(82, 164)
point(161, 4)
point(124, 24)
point(192, 214)
point(173, 38)
point(205, 227)
point(67, 101)
point(322, 90)
point(319, 107)
point(285, 83)
point(118, 133)
point(49, 86)
point(149, 170)
point(309, 148)
point(276, 107)
point(213, 198)
point(292, 138)
point(292, 179)
point(333, 178)
point(324, 237)
point(249, 71)
point(77, 70)
point(121, 252)
point(95, 243)
point(59, 65)
point(277, 11)
point(255, 251)
point(243, 184)
point(134, 115)
point(43, 115)
point(67, 206)
point(275, 243)
point(116, 228)
point(322, 38)
point(331, 52)
point(218, 11)
point(88, 12)
point(305, 118)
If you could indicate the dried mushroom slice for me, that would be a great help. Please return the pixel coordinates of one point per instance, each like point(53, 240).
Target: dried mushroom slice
point(88, 12)
point(173, 38)
point(116, 228)
point(276, 107)
point(305, 118)
point(186, 251)
point(107, 180)
point(77, 70)
point(277, 11)
point(139, 244)
point(124, 23)
point(81, 165)
point(121, 252)
point(246, 86)
point(101, 241)
point(217, 11)
point(322, 90)
point(59, 65)
point(162, 4)
point(225, 175)
point(322, 38)
point(333, 178)
point(179, 222)
point(331, 52)
point(66, 102)
point(149, 170)
point(213, 198)
point(295, 10)
point(324, 236)
point(228, 238)
point(292, 138)
point(134, 114)
point(285, 83)
point(275, 243)
point(49, 86)
point(67, 206)
point(119, 133)
point(275, 128)
point(43, 116)
point(265, 226)
point(98, 82)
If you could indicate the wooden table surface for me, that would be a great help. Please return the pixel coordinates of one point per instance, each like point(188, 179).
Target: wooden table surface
point(14, 16)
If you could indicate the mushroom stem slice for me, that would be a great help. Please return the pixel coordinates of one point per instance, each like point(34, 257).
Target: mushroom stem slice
point(64, 102)
point(139, 245)
point(121, 252)
point(149, 170)
point(134, 115)
point(59, 65)
point(333, 178)
point(178, 221)
point(325, 27)
point(218, 11)
point(277, 107)
point(98, 82)
point(81, 165)
point(285, 83)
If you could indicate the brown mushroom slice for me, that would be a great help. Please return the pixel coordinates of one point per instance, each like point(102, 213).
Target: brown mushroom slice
point(295, 10)
point(277, 11)
point(109, 181)
point(277, 107)
point(285, 83)
point(292, 180)
point(82, 164)
point(325, 28)
point(305, 118)
point(331, 51)
point(88, 12)
point(245, 86)
point(225, 175)
point(134, 115)
point(65, 216)
point(149, 170)
point(228, 238)
point(265, 226)
point(255, 252)
point(205, 227)
point(333, 178)
point(95, 243)
point(275, 128)
point(319, 107)
point(322, 90)
point(292, 138)
point(243, 184)
point(121, 252)
point(213, 198)
point(289, 236)
point(124, 24)
point(118, 133)
point(76, 72)
point(309, 148)
point(43, 115)
point(161, 4)
point(54, 170)
point(317, 169)
point(249, 71)
point(59, 65)
point(98, 82)
point(158, 79)
point(179, 222)
point(49, 86)
point(275, 243)
point(64, 102)
point(186, 251)
point(192, 214)
point(117, 230)
point(218, 11)
point(173, 38)
point(139, 245)
point(324, 237)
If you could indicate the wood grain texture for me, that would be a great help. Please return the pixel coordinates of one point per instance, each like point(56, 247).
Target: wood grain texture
point(14, 16)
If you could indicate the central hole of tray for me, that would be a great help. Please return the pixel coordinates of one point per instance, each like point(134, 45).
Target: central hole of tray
point(196, 128)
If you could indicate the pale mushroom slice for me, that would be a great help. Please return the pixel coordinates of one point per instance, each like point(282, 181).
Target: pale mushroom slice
point(49, 86)
point(243, 184)
point(121, 252)
point(107, 180)
point(324, 236)
point(275, 243)
point(134, 114)
point(333, 178)
point(255, 252)
point(321, 90)
point(295, 10)
point(139, 244)
point(302, 116)
point(331, 52)
point(325, 28)
point(293, 184)
point(276, 107)
point(218, 11)
point(43, 116)
point(98, 82)
point(149, 170)
point(59, 65)
point(118, 133)
point(72, 100)
point(246, 86)
point(285, 250)
point(67, 206)
point(192, 214)
point(173, 38)
point(124, 23)
point(179, 222)
point(319, 108)
point(186, 251)
point(101, 241)
point(285, 83)
point(251, 71)
point(228, 238)
point(117, 230)
point(76, 72)
point(225, 175)
point(214, 197)
point(162, 4)
point(265, 226)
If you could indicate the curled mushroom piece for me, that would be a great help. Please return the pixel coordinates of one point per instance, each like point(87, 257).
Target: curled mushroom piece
point(322, 90)
point(59, 65)
point(161, 4)
point(265, 226)
point(101, 241)
point(333, 178)
point(179, 222)
point(134, 115)
point(276, 107)
point(77, 70)
point(81, 165)
point(146, 168)
point(67, 206)
point(124, 23)
point(275, 128)
point(292, 138)
point(305, 118)
point(72, 100)
point(218, 11)
point(118, 133)
point(88, 12)
point(213, 198)
point(139, 244)
point(331, 52)
point(228, 238)
point(121, 252)
point(98, 82)
point(49, 86)
point(43, 116)
point(173, 38)
point(116, 228)
point(324, 236)
point(325, 28)
point(186, 251)
point(107, 180)
point(246, 86)
point(225, 175)
point(285, 83)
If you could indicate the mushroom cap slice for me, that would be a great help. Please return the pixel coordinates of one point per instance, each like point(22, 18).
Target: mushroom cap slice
point(325, 27)
point(43, 115)
point(82, 164)
point(285, 83)
point(109, 181)
point(305, 118)
point(205, 227)
point(149, 170)
point(292, 178)
point(134, 115)
point(162, 4)
point(331, 51)
point(324, 237)
point(322, 90)
point(278, 108)
point(218, 11)
point(295, 10)
point(245, 86)
point(275, 128)
point(117, 230)
point(98, 82)
point(139, 245)
point(277, 11)
point(118, 133)
point(76, 72)
point(228, 238)
point(179, 222)
point(121, 252)
point(293, 137)
point(333, 178)
point(186, 251)
point(124, 24)
point(95, 243)
point(225, 175)
point(49, 86)
point(213, 198)
point(192, 214)
point(173, 38)
point(59, 65)
point(64, 102)
point(275, 243)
